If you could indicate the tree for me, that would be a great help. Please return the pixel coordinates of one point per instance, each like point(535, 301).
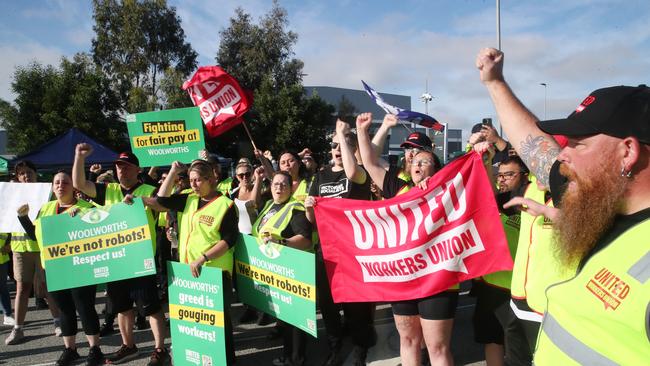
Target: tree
point(135, 42)
point(260, 57)
point(49, 101)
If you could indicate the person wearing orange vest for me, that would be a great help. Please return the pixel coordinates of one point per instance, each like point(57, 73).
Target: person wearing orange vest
point(600, 316)
point(124, 293)
point(207, 231)
point(428, 319)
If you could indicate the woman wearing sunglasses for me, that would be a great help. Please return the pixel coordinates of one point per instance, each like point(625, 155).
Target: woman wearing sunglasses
point(283, 221)
point(207, 228)
point(430, 318)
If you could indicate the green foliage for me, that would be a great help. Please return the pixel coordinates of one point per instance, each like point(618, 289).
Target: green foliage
point(173, 95)
point(135, 42)
point(260, 57)
point(49, 101)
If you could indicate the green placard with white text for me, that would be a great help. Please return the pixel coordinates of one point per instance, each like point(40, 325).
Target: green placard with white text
point(277, 280)
point(196, 315)
point(98, 245)
point(161, 137)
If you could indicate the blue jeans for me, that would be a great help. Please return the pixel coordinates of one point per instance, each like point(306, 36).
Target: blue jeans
point(5, 299)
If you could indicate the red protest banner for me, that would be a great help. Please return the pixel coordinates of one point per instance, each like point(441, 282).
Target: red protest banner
point(416, 244)
point(221, 101)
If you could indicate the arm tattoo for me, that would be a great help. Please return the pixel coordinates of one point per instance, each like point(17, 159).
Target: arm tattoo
point(539, 153)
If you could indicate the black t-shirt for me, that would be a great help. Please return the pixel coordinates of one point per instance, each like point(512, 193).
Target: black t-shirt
point(299, 225)
point(621, 224)
point(392, 182)
point(328, 183)
point(229, 229)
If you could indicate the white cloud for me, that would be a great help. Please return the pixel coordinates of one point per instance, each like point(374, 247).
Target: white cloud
point(14, 55)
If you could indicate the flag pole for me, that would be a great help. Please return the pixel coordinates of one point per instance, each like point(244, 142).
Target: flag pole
point(248, 132)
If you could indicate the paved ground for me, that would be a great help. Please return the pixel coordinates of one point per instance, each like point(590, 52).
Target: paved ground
point(253, 349)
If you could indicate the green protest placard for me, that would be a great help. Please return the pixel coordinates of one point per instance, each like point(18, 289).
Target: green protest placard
point(196, 315)
point(99, 245)
point(277, 280)
point(161, 137)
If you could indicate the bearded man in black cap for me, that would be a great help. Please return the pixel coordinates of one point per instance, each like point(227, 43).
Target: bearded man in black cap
point(601, 315)
point(124, 293)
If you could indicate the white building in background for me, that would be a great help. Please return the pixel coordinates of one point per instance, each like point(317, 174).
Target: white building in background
point(362, 103)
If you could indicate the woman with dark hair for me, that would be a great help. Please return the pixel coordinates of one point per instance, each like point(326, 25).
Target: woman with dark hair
point(69, 301)
point(291, 163)
point(283, 221)
point(207, 239)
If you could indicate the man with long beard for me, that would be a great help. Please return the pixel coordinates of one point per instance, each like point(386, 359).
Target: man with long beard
point(602, 315)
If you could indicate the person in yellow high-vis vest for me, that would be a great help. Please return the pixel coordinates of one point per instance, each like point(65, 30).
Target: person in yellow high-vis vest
point(207, 229)
point(70, 301)
point(141, 290)
point(601, 315)
point(27, 267)
point(5, 298)
point(494, 326)
point(282, 220)
point(429, 319)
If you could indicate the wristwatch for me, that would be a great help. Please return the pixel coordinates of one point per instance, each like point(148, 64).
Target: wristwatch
point(205, 257)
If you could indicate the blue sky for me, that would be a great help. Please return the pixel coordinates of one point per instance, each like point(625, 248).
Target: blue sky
point(574, 46)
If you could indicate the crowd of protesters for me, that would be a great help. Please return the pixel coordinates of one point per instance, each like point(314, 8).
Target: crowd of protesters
point(573, 198)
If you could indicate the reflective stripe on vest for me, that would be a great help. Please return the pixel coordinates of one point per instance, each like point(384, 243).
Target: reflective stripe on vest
point(20, 242)
point(600, 317)
point(641, 269)
point(571, 346)
point(199, 230)
point(278, 222)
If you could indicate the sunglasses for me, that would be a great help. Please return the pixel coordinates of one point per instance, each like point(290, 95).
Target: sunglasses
point(334, 145)
point(244, 175)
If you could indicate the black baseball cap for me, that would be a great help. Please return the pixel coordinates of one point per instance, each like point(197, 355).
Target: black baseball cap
point(418, 140)
point(129, 158)
point(619, 111)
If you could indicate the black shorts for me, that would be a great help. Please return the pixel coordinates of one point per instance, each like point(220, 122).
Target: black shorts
point(141, 290)
point(487, 327)
point(436, 307)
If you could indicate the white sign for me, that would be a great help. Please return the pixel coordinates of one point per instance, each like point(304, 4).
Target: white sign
point(14, 195)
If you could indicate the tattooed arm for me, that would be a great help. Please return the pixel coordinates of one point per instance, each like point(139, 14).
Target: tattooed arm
point(536, 148)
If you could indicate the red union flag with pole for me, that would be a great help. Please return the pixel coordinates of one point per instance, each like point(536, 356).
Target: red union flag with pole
point(220, 99)
point(416, 244)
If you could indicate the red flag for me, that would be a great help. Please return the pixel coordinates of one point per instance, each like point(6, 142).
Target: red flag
point(221, 101)
point(416, 244)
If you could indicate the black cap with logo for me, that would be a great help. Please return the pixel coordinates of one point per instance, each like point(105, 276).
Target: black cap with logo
point(417, 140)
point(619, 111)
point(129, 158)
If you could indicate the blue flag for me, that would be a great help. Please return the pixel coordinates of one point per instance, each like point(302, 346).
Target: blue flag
point(403, 114)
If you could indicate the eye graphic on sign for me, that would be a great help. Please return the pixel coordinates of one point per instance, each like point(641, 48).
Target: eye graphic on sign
point(94, 216)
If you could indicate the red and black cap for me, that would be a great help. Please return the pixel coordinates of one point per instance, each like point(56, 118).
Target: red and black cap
point(417, 140)
point(619, 111)
point(129, 158)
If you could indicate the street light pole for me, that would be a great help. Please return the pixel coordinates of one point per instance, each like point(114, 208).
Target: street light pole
point(499, 25)
point(544, 85)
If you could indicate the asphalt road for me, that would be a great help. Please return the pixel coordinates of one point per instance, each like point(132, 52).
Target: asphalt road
point(41, 347)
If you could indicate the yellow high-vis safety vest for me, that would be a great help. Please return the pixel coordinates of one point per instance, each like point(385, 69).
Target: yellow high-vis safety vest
point(600, 317)
point(503, 279)
point(199, 230)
